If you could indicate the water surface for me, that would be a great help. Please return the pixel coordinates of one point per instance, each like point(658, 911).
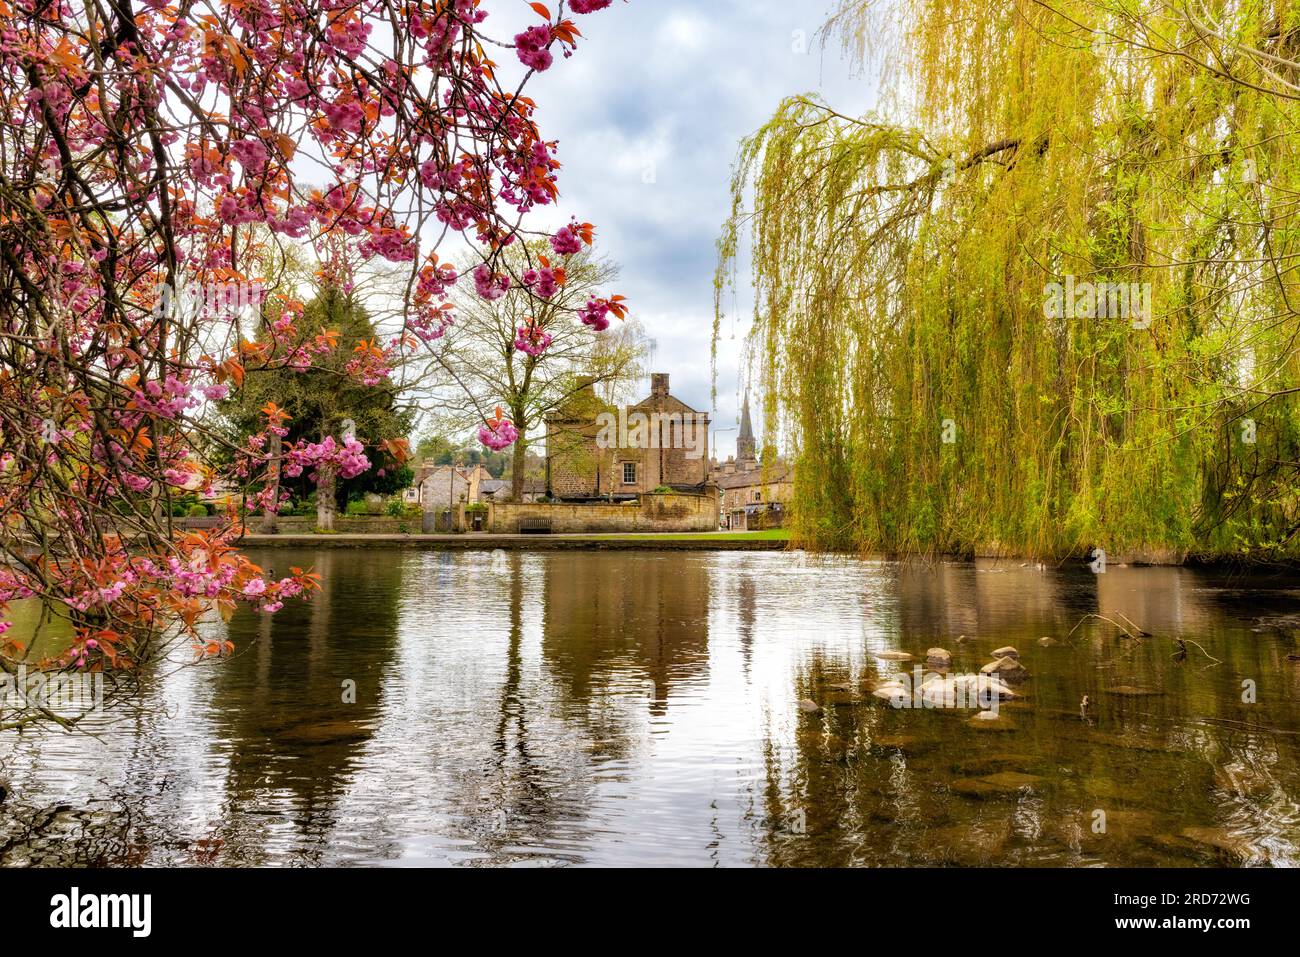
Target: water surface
point(643, 708)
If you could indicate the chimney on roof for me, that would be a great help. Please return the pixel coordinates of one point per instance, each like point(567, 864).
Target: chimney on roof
point(659, 384)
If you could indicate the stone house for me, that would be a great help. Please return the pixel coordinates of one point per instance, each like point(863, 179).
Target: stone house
point(437, 486)
point(598, 452)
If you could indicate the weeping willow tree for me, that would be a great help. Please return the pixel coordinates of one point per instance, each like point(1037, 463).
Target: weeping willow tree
point(1046, 299)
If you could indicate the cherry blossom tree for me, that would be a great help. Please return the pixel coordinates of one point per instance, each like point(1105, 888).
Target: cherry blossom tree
point(154, 156)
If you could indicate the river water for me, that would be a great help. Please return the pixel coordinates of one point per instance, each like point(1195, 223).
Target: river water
point(644, 708)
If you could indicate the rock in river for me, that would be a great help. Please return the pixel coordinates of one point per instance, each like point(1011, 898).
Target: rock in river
point(809, 707)
point(938, 658)
point(893, 656)
point(1008, 669)
point(1006, 652)
point(1001, 784)
point(991, 721)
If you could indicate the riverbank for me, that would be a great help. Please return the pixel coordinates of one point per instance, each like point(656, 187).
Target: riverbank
point(772, 540)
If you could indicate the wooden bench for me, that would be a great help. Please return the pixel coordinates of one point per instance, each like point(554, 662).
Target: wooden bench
point(534, 526)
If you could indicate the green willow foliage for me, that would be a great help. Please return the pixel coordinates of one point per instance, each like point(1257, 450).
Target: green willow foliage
point(901, 273)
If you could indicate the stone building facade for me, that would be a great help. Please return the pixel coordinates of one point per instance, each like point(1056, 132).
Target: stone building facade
point(444, 486)
point(599, 452)
point(753, 494)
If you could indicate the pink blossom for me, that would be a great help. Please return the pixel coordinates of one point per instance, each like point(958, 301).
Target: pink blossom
point(498, 436)
point(530, 47)
point(489, 285)
point(595, 314)
point(567, 241)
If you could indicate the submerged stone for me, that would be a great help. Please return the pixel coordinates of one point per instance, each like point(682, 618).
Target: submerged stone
point(893, 656)
point(1001, 784)
point(1119, 825)
point(988, 721)
point(809, 707)
point(1212, 843)
point(938, 658)
point(968, 845)
point(896, 742)
point(1007, 652)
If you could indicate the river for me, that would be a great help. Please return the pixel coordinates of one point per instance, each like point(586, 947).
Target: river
point(611, 708)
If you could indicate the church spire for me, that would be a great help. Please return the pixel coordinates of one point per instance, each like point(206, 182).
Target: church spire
point(745, 441)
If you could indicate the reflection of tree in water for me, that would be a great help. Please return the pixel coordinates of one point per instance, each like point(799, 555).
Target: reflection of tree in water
point(538, 781)
point(825, 802)
point(616, 620)
point(746, 615)
point(613, 630)
point(292, 739)
point(1005, 602)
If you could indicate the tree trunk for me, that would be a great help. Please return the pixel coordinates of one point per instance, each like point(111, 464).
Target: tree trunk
point(518, 465)
point(519, 462)
point(267, 525)
point(326, 507)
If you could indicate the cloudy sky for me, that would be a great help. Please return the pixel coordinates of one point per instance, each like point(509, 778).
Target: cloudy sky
point(649, 112)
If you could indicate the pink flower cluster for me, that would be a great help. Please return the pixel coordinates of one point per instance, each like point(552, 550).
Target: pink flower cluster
point(567, 241)
point(595, 314)
point(489, 285)
point(543, 282)
point(349, 458)
point(532, 340)
point(167, 399)
point(588, 6)
point(499, 436)
point(531, 48)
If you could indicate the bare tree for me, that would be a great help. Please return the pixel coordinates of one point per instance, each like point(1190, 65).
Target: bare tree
point(477, 365)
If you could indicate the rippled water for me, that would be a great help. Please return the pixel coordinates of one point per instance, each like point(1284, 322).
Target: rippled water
point(643, 708)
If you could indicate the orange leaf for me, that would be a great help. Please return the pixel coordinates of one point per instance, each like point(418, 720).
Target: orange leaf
point(541, 11)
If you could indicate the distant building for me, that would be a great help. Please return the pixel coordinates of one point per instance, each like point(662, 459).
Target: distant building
point(600, 452)
point(753, 494)
point(501, 490)
point(438, 486)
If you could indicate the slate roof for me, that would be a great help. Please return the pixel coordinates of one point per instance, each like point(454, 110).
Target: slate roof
point(780, 472)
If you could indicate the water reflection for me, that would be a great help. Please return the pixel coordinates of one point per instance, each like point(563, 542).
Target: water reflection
point(593, 708)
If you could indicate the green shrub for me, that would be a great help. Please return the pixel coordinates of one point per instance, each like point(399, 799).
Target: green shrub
point(395, 508)
point(198, 510)
point(358, 508)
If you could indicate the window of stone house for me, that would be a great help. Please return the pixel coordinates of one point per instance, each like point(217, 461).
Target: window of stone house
point(629, 473)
